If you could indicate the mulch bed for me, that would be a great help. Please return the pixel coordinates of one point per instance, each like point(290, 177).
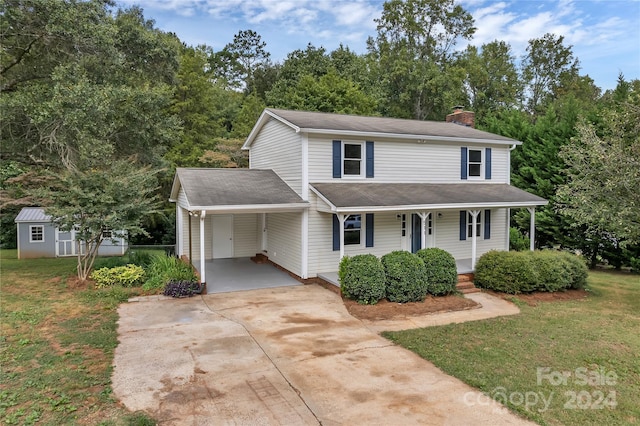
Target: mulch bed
point(390, 310)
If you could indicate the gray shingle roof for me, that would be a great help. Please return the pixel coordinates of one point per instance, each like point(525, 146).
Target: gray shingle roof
point(235, 187)
point(32, 214)
point(353, 123)
point(380, 195)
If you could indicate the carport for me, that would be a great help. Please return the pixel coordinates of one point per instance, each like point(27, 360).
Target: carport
point(238, 274)
point(221, 222)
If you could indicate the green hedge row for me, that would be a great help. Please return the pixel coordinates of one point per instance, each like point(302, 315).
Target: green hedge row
point(525, 272)
point(399, 276)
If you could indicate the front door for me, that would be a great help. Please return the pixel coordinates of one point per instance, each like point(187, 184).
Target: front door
point(416, 232)
point(222, 236)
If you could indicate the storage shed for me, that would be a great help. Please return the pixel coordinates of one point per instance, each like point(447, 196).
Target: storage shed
point(38, 237)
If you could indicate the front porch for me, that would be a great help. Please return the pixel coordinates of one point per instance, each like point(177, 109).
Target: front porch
point(239, 274)
point(462, 265)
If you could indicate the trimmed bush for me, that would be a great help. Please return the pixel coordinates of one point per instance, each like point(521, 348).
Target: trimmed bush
point(554, 273)
point(362, 278)
point(127, 276)
point(508, 272)
point(404, 277)
point(440, 271)
point(577, 269)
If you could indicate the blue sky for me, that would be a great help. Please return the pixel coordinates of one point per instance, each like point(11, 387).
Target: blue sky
point(605, 34)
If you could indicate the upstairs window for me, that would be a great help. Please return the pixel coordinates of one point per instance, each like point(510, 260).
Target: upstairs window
point(36, 234)
point(352, 159)
point(475, 163)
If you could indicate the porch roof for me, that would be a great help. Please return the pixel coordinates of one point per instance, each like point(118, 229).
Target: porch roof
point(372, 197)
point(234, 190)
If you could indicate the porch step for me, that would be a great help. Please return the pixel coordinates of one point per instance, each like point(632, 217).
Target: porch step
point(465, 284)
point(260, 258)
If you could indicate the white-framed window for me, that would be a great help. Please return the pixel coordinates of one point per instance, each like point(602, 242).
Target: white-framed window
point(36, 233)
point(475, 164)
point(353, 160)
point(353, 230)
point(479, 222)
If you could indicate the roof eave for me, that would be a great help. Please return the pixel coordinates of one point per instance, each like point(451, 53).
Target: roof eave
point(262, 120)
point(251, 208)
point(420, 207)
point(408, 136)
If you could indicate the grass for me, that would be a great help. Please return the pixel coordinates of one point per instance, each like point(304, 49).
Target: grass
point(557, 363)
point(56, 346)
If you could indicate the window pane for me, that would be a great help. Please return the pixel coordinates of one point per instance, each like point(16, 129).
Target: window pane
point(474, 169)
point(354, 221)
point(352, 167)
point(475, 156)
point(37, 233)
point(351, 237)
point(352, 151)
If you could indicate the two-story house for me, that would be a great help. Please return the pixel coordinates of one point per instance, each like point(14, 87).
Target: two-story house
point(320, 186)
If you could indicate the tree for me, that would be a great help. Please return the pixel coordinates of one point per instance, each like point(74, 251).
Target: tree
point(492, 82)
point(237, 61)
point(546, 64)
point(413, 47)
point(113, 198)
point(601, 193)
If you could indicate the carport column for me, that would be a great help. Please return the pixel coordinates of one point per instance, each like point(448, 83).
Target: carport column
point(341, 219)
point(474, 238)
point(423, 231)
point(179, 231)
point(203, 213)
point(532, 228)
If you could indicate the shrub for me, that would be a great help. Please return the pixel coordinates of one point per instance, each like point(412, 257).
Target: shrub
point(635, 265)
point(517, 240)
point(404, 277)
point(577, 269)
point(127, 276)
point(181, 288)
point(508, 272)
point(165, 268)
point(440, 271)
point(553, 272)
point(362, 278)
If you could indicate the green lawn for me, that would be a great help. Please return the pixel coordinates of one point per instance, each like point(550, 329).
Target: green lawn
point(56, 346)
point(558, 363)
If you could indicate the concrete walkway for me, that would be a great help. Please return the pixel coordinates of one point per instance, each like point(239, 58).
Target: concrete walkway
point(281, 356)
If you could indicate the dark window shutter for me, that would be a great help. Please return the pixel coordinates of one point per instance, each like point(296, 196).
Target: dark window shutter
point(369, 157)
point(463, 163)
point(487, 163)
point(487, 224)
point(463, 225)
point(336, 233)
point(369, 229)
point(337, 159)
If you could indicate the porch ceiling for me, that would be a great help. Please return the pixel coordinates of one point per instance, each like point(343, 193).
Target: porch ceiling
point(372, 197)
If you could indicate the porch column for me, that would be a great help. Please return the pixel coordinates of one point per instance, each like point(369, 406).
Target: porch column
point(474, 238)
point(532, 228)
point(203, 213)
point(341, 219)
point(423, 231)
point(179, 231)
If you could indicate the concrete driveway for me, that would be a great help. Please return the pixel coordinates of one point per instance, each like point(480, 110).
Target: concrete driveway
point(280, 356)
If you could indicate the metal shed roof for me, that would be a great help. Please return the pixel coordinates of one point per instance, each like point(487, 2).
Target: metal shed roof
point(32, 214)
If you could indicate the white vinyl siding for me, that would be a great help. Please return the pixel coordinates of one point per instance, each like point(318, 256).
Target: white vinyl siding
point(408, 161)
point(244, 235)
point(279, 148)
point(195, 234)
point(448, 234)
point(284, 240)
point(182, 198)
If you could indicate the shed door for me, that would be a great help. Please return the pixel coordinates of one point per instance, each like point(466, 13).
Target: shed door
point(65, 243)
point(222, 236)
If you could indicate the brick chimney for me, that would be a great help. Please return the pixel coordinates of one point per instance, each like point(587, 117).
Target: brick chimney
point(462, 117)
